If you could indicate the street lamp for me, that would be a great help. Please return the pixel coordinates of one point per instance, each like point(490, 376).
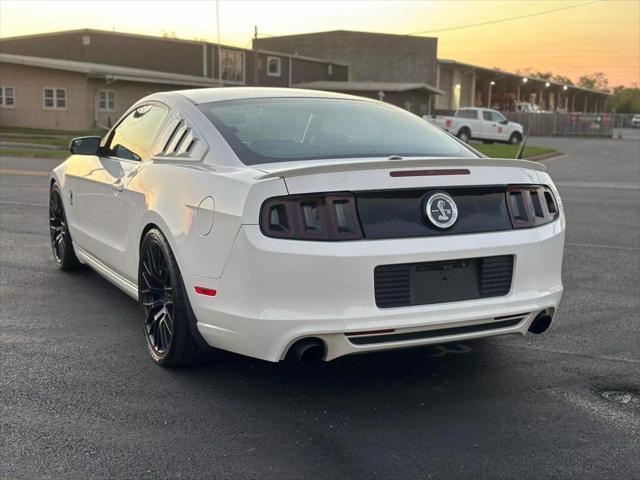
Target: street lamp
point(491, 84)
point(547, 85)
point(525, 80)
point(565, 88)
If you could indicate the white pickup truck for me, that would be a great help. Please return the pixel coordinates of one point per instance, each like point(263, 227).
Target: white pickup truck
point(479, 124)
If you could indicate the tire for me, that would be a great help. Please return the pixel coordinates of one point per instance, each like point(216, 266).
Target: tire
point(464, 135)
point(164, 307)
point(61, 244)
point(515, 139)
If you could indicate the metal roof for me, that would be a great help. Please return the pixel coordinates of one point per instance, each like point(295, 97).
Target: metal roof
point(110, 72)
point(173, 40)
point(517, 75)
point(369, 86)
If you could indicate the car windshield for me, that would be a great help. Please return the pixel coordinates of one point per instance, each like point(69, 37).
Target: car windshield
point(268, 130)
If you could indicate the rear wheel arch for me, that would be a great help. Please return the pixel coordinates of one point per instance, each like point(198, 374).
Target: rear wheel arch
point(515, 138)
point(144, 231)
point(464, 129)
point(156, 222)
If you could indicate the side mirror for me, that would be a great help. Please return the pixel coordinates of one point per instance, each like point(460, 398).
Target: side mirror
point(504, 122)
point(84, 145)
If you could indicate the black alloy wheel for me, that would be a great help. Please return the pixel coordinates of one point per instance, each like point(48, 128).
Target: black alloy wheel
point(169, 322)
point(61, 244)
point(156, 299)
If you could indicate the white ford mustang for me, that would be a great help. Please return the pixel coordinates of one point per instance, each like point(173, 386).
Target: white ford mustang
point(282, 223)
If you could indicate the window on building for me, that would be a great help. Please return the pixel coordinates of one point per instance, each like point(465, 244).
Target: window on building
point(274, 66)
point(7, 96)
point(232, 65)
point(133, 137)
point(106, 100)
point(54, 98)
point(86, 40)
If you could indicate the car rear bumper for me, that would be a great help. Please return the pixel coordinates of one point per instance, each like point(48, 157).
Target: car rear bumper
point(275, 292)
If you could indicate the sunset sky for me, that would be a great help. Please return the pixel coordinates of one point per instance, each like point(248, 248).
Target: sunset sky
point(576, 37)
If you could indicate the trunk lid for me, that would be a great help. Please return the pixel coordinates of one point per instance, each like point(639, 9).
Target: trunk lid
point(385, 174)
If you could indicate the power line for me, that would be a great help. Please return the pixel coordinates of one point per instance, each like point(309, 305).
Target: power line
point(508, 19)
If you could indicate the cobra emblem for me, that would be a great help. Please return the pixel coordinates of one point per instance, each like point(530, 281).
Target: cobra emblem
point(444, 212)
point(440, 210)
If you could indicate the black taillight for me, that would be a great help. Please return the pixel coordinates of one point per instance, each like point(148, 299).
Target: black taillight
point(531, 205)
point(330, 217)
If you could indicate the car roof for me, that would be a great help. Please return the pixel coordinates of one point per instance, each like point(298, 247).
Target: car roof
point(205, 95)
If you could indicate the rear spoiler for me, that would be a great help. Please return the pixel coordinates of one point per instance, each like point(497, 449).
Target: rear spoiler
point(384, 164)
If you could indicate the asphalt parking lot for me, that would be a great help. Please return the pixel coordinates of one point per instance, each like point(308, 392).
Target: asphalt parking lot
point(80, 399)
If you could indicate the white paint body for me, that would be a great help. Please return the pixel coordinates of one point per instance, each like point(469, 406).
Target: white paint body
point(479, 127)
point(272, 292)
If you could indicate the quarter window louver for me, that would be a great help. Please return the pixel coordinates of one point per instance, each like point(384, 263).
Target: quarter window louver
point(180, 141)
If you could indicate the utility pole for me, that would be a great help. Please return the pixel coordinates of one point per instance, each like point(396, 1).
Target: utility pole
point(218, 49)
point(255, 55)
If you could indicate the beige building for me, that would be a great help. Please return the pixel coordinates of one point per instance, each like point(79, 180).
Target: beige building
point(62, 94)
point(86, 79)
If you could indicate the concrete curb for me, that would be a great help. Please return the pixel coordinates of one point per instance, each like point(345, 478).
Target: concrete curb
point(545, 156)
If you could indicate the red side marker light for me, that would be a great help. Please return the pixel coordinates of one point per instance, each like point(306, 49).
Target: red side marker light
point(206, 291)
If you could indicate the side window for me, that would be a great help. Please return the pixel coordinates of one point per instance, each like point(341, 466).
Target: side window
point(133, 137)
point(487, 116)
point(498, 117)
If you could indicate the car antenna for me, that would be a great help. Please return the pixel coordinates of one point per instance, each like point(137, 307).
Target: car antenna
point(524, 142)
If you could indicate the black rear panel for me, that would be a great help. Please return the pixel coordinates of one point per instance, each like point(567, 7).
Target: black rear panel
point(441, 332)
point(399, 213)
point(443, 281)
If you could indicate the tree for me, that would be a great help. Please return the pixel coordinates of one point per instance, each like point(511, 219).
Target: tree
point(543, 75)
point(594, 81)
point(530, 72)
point(626, 100)
point(525, 72)
point(562, 79)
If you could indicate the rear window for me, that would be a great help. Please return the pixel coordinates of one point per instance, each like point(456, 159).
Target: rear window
point(268, 130)
point(467, 114)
